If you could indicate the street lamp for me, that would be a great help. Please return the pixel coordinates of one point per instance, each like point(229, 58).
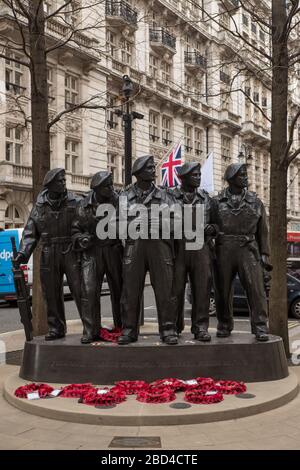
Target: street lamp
point(245, 154)
point(128, 117)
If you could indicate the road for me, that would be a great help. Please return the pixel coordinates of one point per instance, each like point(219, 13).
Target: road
point(10, 320)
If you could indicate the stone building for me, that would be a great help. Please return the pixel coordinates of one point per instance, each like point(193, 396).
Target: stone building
point(192, 82)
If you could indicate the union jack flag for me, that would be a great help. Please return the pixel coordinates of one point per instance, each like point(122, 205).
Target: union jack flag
point(168, 169)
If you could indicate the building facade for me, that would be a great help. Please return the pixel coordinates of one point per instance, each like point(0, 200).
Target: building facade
point(193, 81)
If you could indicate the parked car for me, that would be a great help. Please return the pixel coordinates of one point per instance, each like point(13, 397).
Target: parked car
point(240, 303)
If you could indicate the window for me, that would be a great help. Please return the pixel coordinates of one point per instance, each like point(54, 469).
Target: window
point(47, 7)
point(245, 20)
point(153, 66)
point(166, 130)
point(165, 71)
point(153, 126)
point(188, 133)
point(225, 152)
point(198, 141)
point(72, 13)
point(13, 145)
point(262, 36)
point(112, 165)
point(71, 90)
point(50, 81)
point(113, 121)
point(254, 28)
point(111, 44)
point(13, 218)
point(126, 52)
point(71, 155)
point(13, 74)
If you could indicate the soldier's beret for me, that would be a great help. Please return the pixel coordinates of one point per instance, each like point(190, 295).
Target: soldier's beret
point(232, 170)
point(99, 178)
point(140, 163)
point(187, 168)
point(51, 175)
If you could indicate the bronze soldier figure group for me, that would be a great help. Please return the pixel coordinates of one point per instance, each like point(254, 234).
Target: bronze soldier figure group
point(235, 242)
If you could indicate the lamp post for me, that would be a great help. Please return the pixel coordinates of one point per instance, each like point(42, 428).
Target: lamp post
point(245, 153)
point(128, 117)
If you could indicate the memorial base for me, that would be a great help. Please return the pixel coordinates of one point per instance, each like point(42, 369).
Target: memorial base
point(239, 357)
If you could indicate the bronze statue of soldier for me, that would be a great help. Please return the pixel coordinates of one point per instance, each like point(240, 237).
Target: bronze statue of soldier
point(195, 263)
point(242, 248)
point(98, 257)
point(50, 224)
point(141, 255)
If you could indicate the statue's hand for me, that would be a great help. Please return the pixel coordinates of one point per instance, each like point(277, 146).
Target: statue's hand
point(265, 261)
point(210, 230)
point(84, 242)
point(19, 259)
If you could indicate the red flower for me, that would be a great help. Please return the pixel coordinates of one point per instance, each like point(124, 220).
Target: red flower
point(76, 390)
point(110, 335)
point(197, 397)
point(131, 387)
point(104, 397)
point(158, 395)
point(174, 384)
point(44, 390)
point(229, 387)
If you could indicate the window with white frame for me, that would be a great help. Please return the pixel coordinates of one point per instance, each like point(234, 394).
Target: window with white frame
point(166, 130)
point(111, 44)
point(13, 73)
point(126, 51)
point(188, 138)
point(13, 217)
point(153, 65)
point(50, 81)
point(48, 5)
point(113, 121)
point(166, 71)
point(13, 144)
point(71, 90)
point(154, 126)
point(72, 13)
point(225, 152)
point(112, 165)
point(198, 141)
point(71, 155)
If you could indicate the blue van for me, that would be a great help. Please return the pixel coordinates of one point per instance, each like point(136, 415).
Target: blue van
point(7, 287)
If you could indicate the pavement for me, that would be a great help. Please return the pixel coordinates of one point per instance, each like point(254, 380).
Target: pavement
point(277, 429)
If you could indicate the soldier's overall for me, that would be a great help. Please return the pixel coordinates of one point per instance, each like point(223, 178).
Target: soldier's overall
point(142, 255)
point(242, 248)
point(98, 257)
point(50, 223)
point(194, 262)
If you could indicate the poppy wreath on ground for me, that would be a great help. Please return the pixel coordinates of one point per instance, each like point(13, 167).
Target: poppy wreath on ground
point(156, 395)
point(110, 336)
point(104, 397)
point(131, 387)
point(198, 397)
point(229, 387)
point(174, 384)
point(43, 390)
point(76, 390)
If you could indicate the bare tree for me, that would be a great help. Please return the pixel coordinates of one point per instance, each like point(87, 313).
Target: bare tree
point(29, 46)
point(281, 26)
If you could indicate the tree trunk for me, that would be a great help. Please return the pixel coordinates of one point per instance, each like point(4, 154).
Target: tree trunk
point(279, 167)
point(40, 137)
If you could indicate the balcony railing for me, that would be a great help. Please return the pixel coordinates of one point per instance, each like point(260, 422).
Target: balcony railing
point(121, 10)
point(163, 37)
point(195, 59)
